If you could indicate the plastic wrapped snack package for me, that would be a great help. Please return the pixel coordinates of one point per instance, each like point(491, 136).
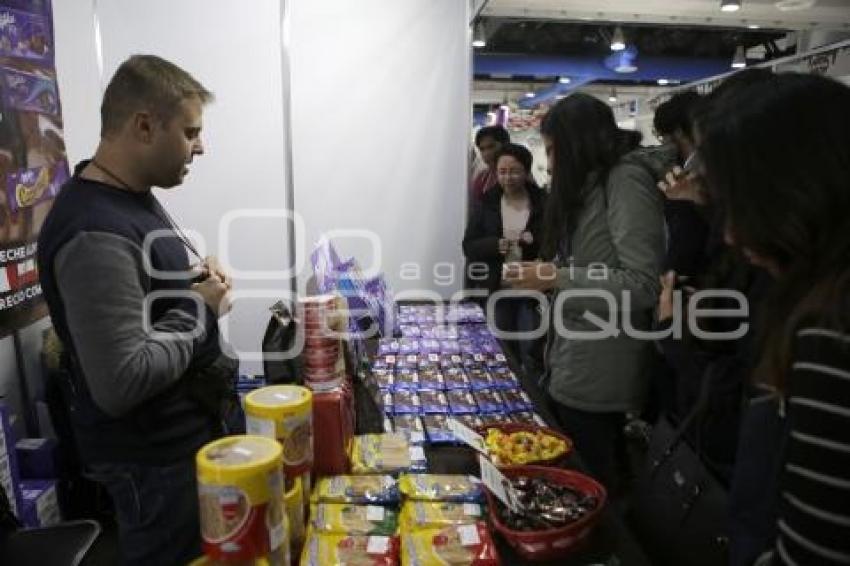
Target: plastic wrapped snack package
point(322, 549)
point(458, 545)
point(411, 426)
point(437, 514)
point(346, 518)
point(385, 453)
point(374, 490)
point(441, 487)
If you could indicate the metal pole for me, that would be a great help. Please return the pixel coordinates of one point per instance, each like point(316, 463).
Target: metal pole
point(286, 103)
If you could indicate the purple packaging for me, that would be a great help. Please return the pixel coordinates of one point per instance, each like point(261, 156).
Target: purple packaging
point(434, 402)
point(503, 378)
point(387, 346)
point(429, 345)
point(471, 421)
point(448, 346)
point(408, 346)
point(516, 401)
point(495, 419)
point(451, 361)
point(29, 92)
point(407, 361)
point(385, 362)
point(10, 478)
point(437, 429)
point(462, 402)
point(29, 187)
point(406, 380)
point(40, 503)
point(496, 360)
point(410, 425)
point(489, 401)
point(431, 380)
point(409, 331)
point(384, 379)
point(528, 417)
point(455, 379)
point(429, 361)
point(479, 379)
point(25, 35)
point(387, 402)
point(406, 403)
point(37, 458)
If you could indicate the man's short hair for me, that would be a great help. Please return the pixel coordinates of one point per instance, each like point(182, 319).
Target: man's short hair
point(150, 83)
point(498, 133)
point(676, 114)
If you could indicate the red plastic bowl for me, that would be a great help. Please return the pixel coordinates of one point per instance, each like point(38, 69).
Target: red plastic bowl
point(508, 428)
point(550, 544)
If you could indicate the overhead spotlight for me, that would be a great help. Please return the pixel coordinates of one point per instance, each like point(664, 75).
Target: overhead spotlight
point(529, 94)
point(663, 82)
point(479, 39)
point(730, 5)
point(754, 26)
point(612, 98)
point(618, 41)
point(739, 61)
point(564, 80)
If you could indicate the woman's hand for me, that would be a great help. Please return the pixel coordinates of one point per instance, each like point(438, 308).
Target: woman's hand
point(680, 185)
point(531, 275)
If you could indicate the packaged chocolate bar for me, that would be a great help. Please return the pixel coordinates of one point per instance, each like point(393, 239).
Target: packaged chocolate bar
point(429, 346)
point(516, 400)
point(434, 402)
point(384, 362)
point(384, 379)
point(503, 380)
point(448, 361)
point(387, 346)
point(437, 429)
point(410, 425)
point(473, 422)
point(528, 417)
point(496, 360)
point(407, 361)
point(462, 402)
point(29, 92)
point(406, 380)
point(431, 380)
point(408, 346)
point(479, 379)
point(387, 403)
point(455, 379)
point(469, 544)
point(406, 403)
point(386, 453)
point(25, 35)
point(449, 346)
point(409, 331)
point(494, 419)
point(489, 401)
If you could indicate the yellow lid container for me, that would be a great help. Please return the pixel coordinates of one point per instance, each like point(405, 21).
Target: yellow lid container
point(240, 461)
point(284, 412)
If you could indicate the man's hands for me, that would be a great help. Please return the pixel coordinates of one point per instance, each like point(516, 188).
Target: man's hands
point(214, 286)
point(681, 185)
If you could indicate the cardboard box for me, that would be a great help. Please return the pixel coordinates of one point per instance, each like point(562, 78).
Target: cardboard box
point(40, 503)
point(37, 458)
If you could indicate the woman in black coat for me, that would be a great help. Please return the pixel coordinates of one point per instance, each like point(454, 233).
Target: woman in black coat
point(506, 227)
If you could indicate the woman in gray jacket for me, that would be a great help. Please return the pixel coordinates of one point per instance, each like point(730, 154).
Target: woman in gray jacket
point(603, 245)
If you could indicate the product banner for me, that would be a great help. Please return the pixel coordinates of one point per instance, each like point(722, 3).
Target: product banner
point(33, 164)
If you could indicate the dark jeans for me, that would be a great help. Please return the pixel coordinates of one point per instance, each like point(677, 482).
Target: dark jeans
point(599, 440)
point(520, 314)
point(157, 511)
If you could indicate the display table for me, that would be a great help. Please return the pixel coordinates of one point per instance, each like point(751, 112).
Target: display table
point(611, 542)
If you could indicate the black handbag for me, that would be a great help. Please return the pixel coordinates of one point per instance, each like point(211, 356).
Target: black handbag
point(679, 508)
point(280, 365)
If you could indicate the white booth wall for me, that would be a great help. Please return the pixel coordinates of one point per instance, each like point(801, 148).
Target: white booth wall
point(381, 114)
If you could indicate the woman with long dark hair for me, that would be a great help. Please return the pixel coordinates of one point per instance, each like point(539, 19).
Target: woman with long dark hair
point(603, 246)
point(777, 162)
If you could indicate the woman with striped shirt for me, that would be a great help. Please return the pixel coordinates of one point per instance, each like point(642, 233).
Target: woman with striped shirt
point(777, 161)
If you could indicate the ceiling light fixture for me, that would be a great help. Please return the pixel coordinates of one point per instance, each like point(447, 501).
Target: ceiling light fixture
point(529, 94)
point(754, 26)
point(618, 41)
point(739, 61)
point(564, 80)
point(479, 39)
point(663, 82)
point(613, 97)
point(730, 5)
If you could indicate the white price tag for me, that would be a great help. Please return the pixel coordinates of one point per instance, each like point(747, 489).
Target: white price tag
point(412, 358)
point(417, 437)
point(467, 435)
point(390, 360)
point(374, 513)
point(472, 509)
point(378, 545)
point(469, 535)
point(498, 484)
point(417, 454)
point(434, 357)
